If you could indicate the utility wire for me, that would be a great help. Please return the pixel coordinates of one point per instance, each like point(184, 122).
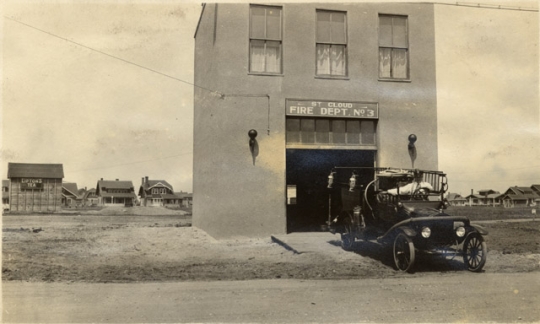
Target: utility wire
point(484, 6)
point(112, 56)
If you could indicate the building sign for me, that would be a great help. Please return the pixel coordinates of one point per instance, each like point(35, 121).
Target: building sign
point(31, 183)
point(337, 109)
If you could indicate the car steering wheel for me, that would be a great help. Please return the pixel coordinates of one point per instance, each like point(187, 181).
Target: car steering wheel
point(420, 194)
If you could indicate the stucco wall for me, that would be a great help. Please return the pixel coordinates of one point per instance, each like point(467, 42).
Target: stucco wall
point(236, 197)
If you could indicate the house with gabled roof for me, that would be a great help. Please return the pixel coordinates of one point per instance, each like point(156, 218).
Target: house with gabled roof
point(70, 194)
point(519, 197)
point(536, 189)
point(115, 193)
point(455, 199)
point(35, 186)
point(153, 193)
point(90, 198)
point(484, 197)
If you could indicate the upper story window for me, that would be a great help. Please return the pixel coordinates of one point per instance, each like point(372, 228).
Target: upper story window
point(265, 39)
point(159, 190)
point(331, 43)
point(393, 47)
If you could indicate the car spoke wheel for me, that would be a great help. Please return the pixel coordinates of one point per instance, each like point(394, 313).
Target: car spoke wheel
point(403, 252)
point(347, 237)
point(474, 252)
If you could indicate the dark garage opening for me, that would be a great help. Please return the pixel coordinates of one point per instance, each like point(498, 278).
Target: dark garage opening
point(307, 180)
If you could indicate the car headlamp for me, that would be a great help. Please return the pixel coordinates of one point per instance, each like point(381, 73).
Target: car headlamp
point(426, 232)
point(460, 231)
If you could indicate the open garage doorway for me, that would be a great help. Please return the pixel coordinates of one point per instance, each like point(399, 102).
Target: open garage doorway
point(307, 180)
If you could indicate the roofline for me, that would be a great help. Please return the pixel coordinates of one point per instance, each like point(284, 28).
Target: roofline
point(157, 184)
point(70, 191)
point(200, 18)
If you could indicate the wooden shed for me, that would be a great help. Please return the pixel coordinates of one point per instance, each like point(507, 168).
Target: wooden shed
point(35, 187)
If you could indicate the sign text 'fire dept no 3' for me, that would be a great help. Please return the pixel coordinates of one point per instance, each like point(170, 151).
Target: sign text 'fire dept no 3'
point(337, 109)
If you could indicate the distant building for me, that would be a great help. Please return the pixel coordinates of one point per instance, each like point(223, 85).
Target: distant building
point(519, 197)
point(186, 199)
point(456, 199)
point(90, 198)
point(70, 194)
point(484, 197)
point(35, 187)
point(115, 193)
point(5, 194)
point(155, 193)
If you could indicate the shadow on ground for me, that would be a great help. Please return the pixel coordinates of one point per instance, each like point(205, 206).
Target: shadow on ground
point(424, 263)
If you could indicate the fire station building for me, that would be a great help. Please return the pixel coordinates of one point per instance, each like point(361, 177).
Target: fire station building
point(285, 92)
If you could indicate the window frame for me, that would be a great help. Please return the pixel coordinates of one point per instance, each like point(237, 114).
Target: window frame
point(265, 40)
point(407, 78)
point(344, 44)
point(331, 144)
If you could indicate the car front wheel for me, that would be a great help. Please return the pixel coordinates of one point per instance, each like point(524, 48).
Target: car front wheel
point(474, 252)
point(404, 254)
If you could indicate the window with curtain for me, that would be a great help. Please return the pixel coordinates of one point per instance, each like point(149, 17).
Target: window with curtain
point(393, 47)
point(331, 44)
point(330, 131)
point(265, 39)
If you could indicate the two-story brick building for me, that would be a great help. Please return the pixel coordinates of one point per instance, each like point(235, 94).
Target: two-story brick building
point(322, 84)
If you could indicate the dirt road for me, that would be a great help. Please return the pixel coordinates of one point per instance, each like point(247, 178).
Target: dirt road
point(434, 298)
point(154, 268)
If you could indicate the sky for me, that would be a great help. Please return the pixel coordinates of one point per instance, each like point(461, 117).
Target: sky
point(487, 97)
point(106, 89)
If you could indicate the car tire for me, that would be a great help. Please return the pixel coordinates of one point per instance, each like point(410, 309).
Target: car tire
point(474, 252)
point(404, 254)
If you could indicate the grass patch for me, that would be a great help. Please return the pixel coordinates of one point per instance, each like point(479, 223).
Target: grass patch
point(493, 213)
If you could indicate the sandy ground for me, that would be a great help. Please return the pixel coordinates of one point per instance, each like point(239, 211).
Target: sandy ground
point(120, 248)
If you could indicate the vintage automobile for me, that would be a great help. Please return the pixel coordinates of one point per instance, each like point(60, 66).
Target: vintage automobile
point(402, 209)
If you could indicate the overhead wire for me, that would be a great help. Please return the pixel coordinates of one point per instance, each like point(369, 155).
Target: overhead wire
point(113, 56)
point(484, 6)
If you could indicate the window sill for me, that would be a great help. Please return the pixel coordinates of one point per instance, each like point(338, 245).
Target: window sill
point(330, 77)
point(396, 80)
point(266, 74)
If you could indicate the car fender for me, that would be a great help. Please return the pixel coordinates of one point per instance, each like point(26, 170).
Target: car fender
point(480, 229)
point(410, 232)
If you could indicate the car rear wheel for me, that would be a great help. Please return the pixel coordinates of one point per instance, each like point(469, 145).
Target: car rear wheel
point(347, 237)
point(474, 252)
point(404, 254)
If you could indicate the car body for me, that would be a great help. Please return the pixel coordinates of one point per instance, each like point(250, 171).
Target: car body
point(404, 209)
